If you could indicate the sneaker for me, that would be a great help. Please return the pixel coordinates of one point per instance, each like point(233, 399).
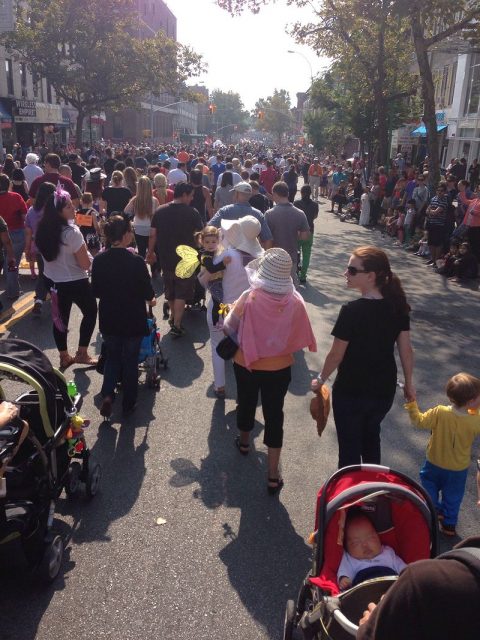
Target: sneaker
point(447, 529)
point(430, 263)
point(37, 307)
point(176, 332)
point(302, 279)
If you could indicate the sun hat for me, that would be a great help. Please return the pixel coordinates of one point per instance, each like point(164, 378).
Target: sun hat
point(242, 234)
point(272, 272)
point(242, 187)
point(31, 158)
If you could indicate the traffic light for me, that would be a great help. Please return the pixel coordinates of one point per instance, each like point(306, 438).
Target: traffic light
point(212, 108)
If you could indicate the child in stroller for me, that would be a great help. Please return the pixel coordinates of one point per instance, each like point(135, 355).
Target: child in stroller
point(404, 519)
point(365, 557)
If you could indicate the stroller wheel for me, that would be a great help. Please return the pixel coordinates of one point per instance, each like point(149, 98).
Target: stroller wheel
point(289, 626)
point(51, 562)
point(93, 480)
point(72, 481)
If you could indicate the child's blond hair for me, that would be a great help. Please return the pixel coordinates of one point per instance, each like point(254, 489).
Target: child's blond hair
point(87, 199)
point(462, 388)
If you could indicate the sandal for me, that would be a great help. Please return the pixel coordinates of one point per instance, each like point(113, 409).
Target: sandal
point(84, 358)
point(278, 484)
point(244, 449)
point(66, 361)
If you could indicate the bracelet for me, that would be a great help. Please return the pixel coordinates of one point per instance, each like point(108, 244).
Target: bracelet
point(320, 380)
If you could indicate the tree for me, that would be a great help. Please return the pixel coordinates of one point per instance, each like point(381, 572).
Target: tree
point(274, 114)
point(87, 52)
point(432, 22)
point(230, 111)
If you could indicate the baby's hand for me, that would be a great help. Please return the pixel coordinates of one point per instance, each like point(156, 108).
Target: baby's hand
point(227, 260)
point(344, 583)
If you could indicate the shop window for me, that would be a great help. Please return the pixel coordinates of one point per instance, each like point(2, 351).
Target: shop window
point(451, 89)
point(35, 84)
point(466, 132)
point(23, 79)
point(472, 99)
point(9, 72)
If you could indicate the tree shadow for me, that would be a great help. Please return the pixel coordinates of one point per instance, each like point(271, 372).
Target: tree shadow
point(265, 558)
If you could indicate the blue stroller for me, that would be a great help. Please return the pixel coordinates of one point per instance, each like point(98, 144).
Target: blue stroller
point(151, 358)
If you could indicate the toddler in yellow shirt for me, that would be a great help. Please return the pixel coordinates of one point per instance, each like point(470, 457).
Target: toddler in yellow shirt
point(453, 430)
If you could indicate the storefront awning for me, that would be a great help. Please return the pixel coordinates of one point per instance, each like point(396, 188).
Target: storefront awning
point(421, 131)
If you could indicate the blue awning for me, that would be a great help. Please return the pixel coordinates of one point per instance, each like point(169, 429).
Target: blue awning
point(421, 131)
point(4, 115)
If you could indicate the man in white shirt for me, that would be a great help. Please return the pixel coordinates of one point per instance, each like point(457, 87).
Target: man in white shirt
point(32, 170)
point(177, 175)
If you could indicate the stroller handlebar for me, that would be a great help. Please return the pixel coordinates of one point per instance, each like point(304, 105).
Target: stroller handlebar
point(344, 622)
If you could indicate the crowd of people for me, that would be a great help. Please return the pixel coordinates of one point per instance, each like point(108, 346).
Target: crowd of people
point(101, 224)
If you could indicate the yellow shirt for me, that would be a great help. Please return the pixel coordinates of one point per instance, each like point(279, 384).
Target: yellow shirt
point(453, 433)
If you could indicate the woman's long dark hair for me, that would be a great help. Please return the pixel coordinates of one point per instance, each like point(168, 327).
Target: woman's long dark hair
point(227, 179)
point(49, 231)
point(8, 167)
point(44, 191)
point(387, 282)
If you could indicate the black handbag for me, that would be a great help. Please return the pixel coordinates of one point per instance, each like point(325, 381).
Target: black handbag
point(227, 348)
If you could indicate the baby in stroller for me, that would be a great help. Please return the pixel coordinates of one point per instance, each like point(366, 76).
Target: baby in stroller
point(365, 557)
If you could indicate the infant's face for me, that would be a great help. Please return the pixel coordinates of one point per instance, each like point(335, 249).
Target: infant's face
point(210, 243)
point(362, 541)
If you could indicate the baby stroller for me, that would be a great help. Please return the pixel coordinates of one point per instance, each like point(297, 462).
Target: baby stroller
point(352, 211)
point(151, 358)
point(404, 518)
point(53, 457)
point(199, 297)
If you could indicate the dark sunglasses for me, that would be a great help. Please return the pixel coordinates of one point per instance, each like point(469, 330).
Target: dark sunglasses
point(353, 270)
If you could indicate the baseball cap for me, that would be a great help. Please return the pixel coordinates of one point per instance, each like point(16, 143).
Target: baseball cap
point(242, 187)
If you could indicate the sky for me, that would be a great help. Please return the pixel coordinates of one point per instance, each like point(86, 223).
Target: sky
point(247, 54)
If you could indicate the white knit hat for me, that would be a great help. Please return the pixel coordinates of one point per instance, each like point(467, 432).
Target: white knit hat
point(272, 272)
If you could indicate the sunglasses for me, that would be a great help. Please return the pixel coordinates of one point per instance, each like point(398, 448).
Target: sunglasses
point(353, 270)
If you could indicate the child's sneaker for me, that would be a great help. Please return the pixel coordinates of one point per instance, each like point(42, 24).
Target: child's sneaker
point(447, 529)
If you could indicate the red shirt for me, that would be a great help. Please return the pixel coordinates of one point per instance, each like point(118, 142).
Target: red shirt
point(13, 210)
point(268, 177)
point(182, 156)
point(54, 178)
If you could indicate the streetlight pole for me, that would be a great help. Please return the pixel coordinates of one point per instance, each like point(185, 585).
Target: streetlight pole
point(299, 53)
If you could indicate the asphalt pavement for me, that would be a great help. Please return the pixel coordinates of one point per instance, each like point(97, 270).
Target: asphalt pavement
point(226, 556)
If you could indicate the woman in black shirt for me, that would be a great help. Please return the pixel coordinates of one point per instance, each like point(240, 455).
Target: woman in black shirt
point(116, 197)
point(365, 335)
point(120, 277)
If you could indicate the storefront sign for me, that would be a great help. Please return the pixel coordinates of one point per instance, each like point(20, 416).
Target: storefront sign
point(25, 110)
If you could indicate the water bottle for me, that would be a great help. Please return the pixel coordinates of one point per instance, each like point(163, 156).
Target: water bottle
point(71, 389)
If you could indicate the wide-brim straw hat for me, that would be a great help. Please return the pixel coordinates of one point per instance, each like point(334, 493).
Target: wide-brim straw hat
point(272, 272)
point(242, 234)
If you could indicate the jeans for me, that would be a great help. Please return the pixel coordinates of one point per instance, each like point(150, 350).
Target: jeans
point(358, 421)
point(80, 293)
point(273, 387)
point(451, 486)
point(12, 283)
point(121, 364)
point(305, 248)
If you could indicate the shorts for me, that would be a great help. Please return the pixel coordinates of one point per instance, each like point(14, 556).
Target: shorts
point(178, 288)
point(436, 235)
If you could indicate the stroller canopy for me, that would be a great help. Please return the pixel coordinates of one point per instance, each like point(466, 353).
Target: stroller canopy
point(22, 360)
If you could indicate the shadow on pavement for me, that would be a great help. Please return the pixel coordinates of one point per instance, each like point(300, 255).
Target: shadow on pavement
point(266, 560)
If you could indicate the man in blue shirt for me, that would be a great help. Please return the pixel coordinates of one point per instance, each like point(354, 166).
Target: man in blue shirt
point(217, 168)
point(337, 177)
point(241, 208)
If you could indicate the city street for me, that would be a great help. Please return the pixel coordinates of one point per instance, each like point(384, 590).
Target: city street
point(182, 541)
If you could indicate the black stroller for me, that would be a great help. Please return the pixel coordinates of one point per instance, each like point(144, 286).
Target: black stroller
point(404, 518)
point(53, 457)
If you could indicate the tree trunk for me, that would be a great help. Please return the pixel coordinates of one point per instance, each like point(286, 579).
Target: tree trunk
point(428, 96)
point(79, 128)
point(382, 115)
